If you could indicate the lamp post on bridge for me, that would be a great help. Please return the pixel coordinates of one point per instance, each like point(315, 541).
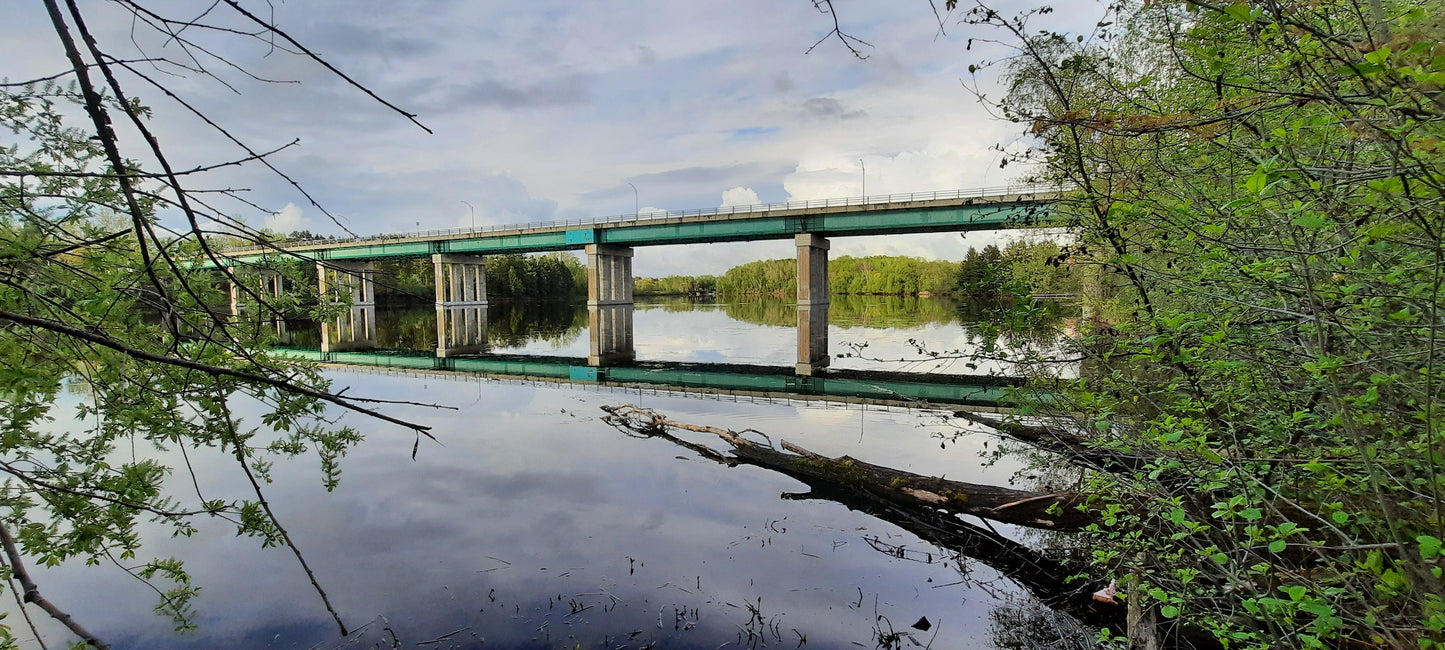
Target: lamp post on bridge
point(865, 179)
point(636, 201)
point(473, 212)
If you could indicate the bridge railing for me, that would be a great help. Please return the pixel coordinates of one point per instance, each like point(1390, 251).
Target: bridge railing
point(872, 200)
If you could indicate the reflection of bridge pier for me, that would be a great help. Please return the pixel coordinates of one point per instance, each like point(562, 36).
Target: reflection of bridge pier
point(609, 335)
point(353, 282)
point(354, 329)
point(461, 301)
point(812, 303)
point(461, 330)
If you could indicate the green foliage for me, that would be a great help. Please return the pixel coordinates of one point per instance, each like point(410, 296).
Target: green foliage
point(1261, 196)
point(674, 285)
point(875, 274)
point(95, 302)
point(509, 277)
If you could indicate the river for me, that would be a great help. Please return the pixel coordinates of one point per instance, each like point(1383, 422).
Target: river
point(530, 522)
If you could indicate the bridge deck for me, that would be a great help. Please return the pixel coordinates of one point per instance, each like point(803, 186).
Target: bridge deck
point(955, 211)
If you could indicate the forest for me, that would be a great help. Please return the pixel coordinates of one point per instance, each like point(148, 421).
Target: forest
point(1021, 267)
point(1259, 200)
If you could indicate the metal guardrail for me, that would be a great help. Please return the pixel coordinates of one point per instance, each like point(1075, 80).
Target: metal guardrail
point(875, 200)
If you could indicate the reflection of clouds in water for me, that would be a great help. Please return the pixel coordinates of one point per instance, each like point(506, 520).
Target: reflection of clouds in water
point(569, 507)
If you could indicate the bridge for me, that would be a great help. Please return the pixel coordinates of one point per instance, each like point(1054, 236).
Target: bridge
point(346, 268)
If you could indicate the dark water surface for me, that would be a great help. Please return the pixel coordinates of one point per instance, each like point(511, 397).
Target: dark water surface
point(532, 523)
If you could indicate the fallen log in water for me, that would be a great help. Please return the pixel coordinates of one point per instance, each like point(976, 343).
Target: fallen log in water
point(922, 505)
point(1050, 510)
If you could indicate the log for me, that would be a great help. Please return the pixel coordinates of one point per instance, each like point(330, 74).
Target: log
point(1051, 511)
point(919, 505)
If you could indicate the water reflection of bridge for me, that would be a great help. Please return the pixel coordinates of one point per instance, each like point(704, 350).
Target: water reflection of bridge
point(848, 386)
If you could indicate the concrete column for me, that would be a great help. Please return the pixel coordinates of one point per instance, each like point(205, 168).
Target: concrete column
point(461, 300)
point(812, 338)
point(609, 329)
point(812, 303)
point(812, 269)
point(268, 285)
point(609, 275)
point(460, 279)
point(339, 280)
point(354, 329)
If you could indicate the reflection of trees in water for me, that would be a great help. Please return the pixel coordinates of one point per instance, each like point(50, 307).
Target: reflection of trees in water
point(1029, 625)
point(517, 323)
point(509, 324)
point(1016, 323)
point(893, 312)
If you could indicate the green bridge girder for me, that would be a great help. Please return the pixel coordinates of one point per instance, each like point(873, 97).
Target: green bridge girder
point(952, 215)
point(894, 388)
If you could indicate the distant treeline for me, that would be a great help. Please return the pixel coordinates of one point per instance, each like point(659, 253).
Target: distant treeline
point(1018, 268)
point(550, 275)
point(675, 285)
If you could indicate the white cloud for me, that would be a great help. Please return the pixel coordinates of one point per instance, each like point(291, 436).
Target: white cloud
point(566, 102)
point(288, 219)
point(739, 196)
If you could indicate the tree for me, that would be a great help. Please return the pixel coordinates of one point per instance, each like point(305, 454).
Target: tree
point(96, 295)
point(1259, 186)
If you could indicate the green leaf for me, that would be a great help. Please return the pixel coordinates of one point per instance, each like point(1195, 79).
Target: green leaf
point(1169, 611)
point(1277, 546)
point(1257, 181)
point(1378, 57)
point(1429, 546)
point(1239, 11)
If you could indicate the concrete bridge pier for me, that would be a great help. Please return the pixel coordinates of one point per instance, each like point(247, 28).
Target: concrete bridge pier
point(461, 300)
point(812, 303)
point(338, 281)
point(269, 285)
point(609, 333)
point(609, 275)
point(354, 329)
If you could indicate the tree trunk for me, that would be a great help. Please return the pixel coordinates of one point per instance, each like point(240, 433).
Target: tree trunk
point(1048, 510)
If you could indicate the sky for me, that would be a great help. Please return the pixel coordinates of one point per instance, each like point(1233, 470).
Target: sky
point(550, 110)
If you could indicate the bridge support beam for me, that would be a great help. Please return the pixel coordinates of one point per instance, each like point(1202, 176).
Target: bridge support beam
point(609, 330)
point(812, 303)
point(461, 300)
point(355, 329)
point(609, 275)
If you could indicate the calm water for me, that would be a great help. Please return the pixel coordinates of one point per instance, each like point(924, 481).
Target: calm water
point(532, 523)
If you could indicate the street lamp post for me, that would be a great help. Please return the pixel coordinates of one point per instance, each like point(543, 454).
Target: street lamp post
point(636, 201)
point(473, 212)
point(865, 179)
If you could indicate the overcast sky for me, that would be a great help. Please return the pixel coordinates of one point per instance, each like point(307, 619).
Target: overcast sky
point(547, 110)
